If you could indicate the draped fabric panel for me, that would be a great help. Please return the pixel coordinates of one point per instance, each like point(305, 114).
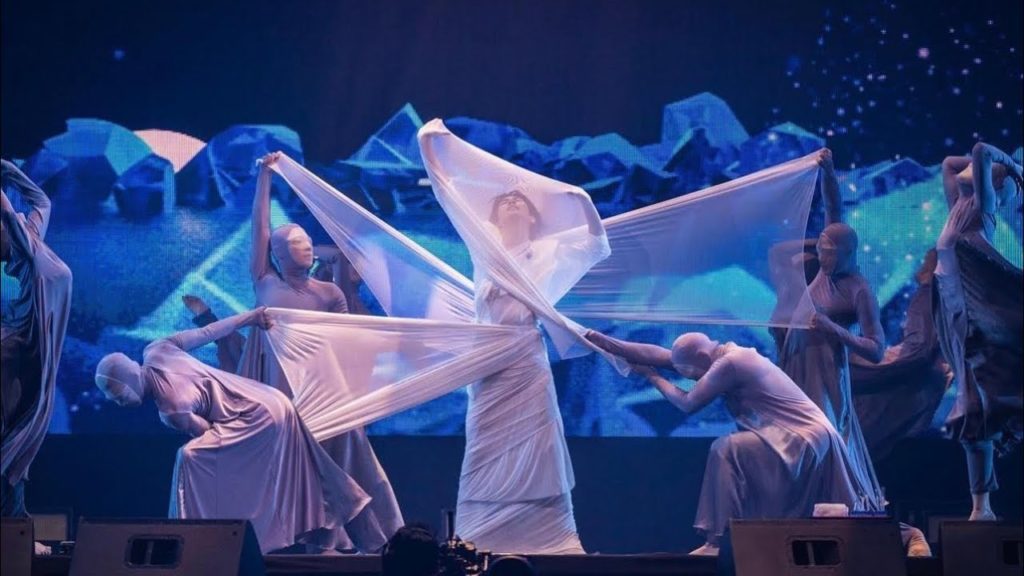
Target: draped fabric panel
point(406, 279)
point(730, 254)
point(467, 181)
point(346, 371)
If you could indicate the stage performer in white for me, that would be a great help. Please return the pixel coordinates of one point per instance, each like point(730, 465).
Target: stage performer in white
point(978, 316)
point(250, 456)
point(517, 477)
point(32, 333)
point(785, 457)
point(289, 285)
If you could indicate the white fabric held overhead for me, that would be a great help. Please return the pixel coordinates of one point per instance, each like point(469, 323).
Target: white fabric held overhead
point(665, 257)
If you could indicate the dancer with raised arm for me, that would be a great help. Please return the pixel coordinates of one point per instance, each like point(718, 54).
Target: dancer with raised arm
point(530, 242)
point(817, 359)
point(250, 456)
point(516, 474)
point(32, 333)
point(289, 285)
point(979, 316)
point(334, 267)
point(786, 456)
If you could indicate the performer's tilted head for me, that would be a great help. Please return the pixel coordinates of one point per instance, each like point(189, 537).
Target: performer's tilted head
point(292, 248)
point(692, 354)
point(837, 249)
point(120, 379)
point(513, 212)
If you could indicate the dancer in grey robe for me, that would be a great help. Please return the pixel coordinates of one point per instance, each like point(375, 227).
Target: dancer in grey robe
point(290, 286)
point(817, 359)
point(786, 456)
point(250, 456)
point(979, 316)
point(32, 334)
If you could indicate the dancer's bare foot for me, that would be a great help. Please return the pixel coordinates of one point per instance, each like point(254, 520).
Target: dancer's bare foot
point(983, 515)
point(915, 542)
point(194, 304)
point(707, 549)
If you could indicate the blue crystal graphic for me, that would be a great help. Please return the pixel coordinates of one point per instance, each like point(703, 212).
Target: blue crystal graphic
point(145, 189)
point(501, 140)
point(884, 177)
point(224, 171)
point(700, 138)
point(79, 167)
point(388, 162)
point(776, 145)
point(702, 111)
point(395, 142)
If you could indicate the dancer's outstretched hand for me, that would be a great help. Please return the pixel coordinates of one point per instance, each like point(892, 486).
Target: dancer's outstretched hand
point(822, 324)
point(825, 160)
point(269, 160)
point(600, 340)
point(195, 304)
point(261, 319)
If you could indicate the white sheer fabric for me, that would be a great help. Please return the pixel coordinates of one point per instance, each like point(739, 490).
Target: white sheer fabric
point(467, 181)
point(407, 280)
point(346, 371)
point(687, 259)
point(668, 263)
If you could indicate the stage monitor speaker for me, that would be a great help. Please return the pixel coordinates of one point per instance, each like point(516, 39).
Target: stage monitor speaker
point(989, 548)
point(813, 546)
point(16, 546)
point(166, 547)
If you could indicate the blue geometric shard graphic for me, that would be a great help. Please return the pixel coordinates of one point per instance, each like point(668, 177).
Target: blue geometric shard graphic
point(776, 145)
point(146, 189)
point(79, 167)
point(702, 111)
point(388, 162)
point(884, 177)
point(90, 138)
point(224, 171)
point(501, 140)
point(395, 142)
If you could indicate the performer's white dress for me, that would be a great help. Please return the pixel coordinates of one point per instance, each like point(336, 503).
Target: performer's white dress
point(517, 478)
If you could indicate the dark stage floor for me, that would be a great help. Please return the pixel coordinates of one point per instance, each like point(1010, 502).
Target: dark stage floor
point(590, 565)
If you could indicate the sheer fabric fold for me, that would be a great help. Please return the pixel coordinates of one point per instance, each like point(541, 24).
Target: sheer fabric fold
point(346, 371)
point(682, 260)
point(669, 262)
point(725, 255)
point(467, 181)
point(407, 280)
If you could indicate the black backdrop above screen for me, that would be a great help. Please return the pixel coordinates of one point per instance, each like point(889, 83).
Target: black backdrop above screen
point(335, 70)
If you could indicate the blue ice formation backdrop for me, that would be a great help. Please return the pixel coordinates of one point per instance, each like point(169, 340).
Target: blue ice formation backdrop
point(143, 218)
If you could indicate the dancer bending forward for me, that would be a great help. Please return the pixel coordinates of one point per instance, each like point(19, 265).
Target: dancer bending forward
point(786, 455)
point(251, 457)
